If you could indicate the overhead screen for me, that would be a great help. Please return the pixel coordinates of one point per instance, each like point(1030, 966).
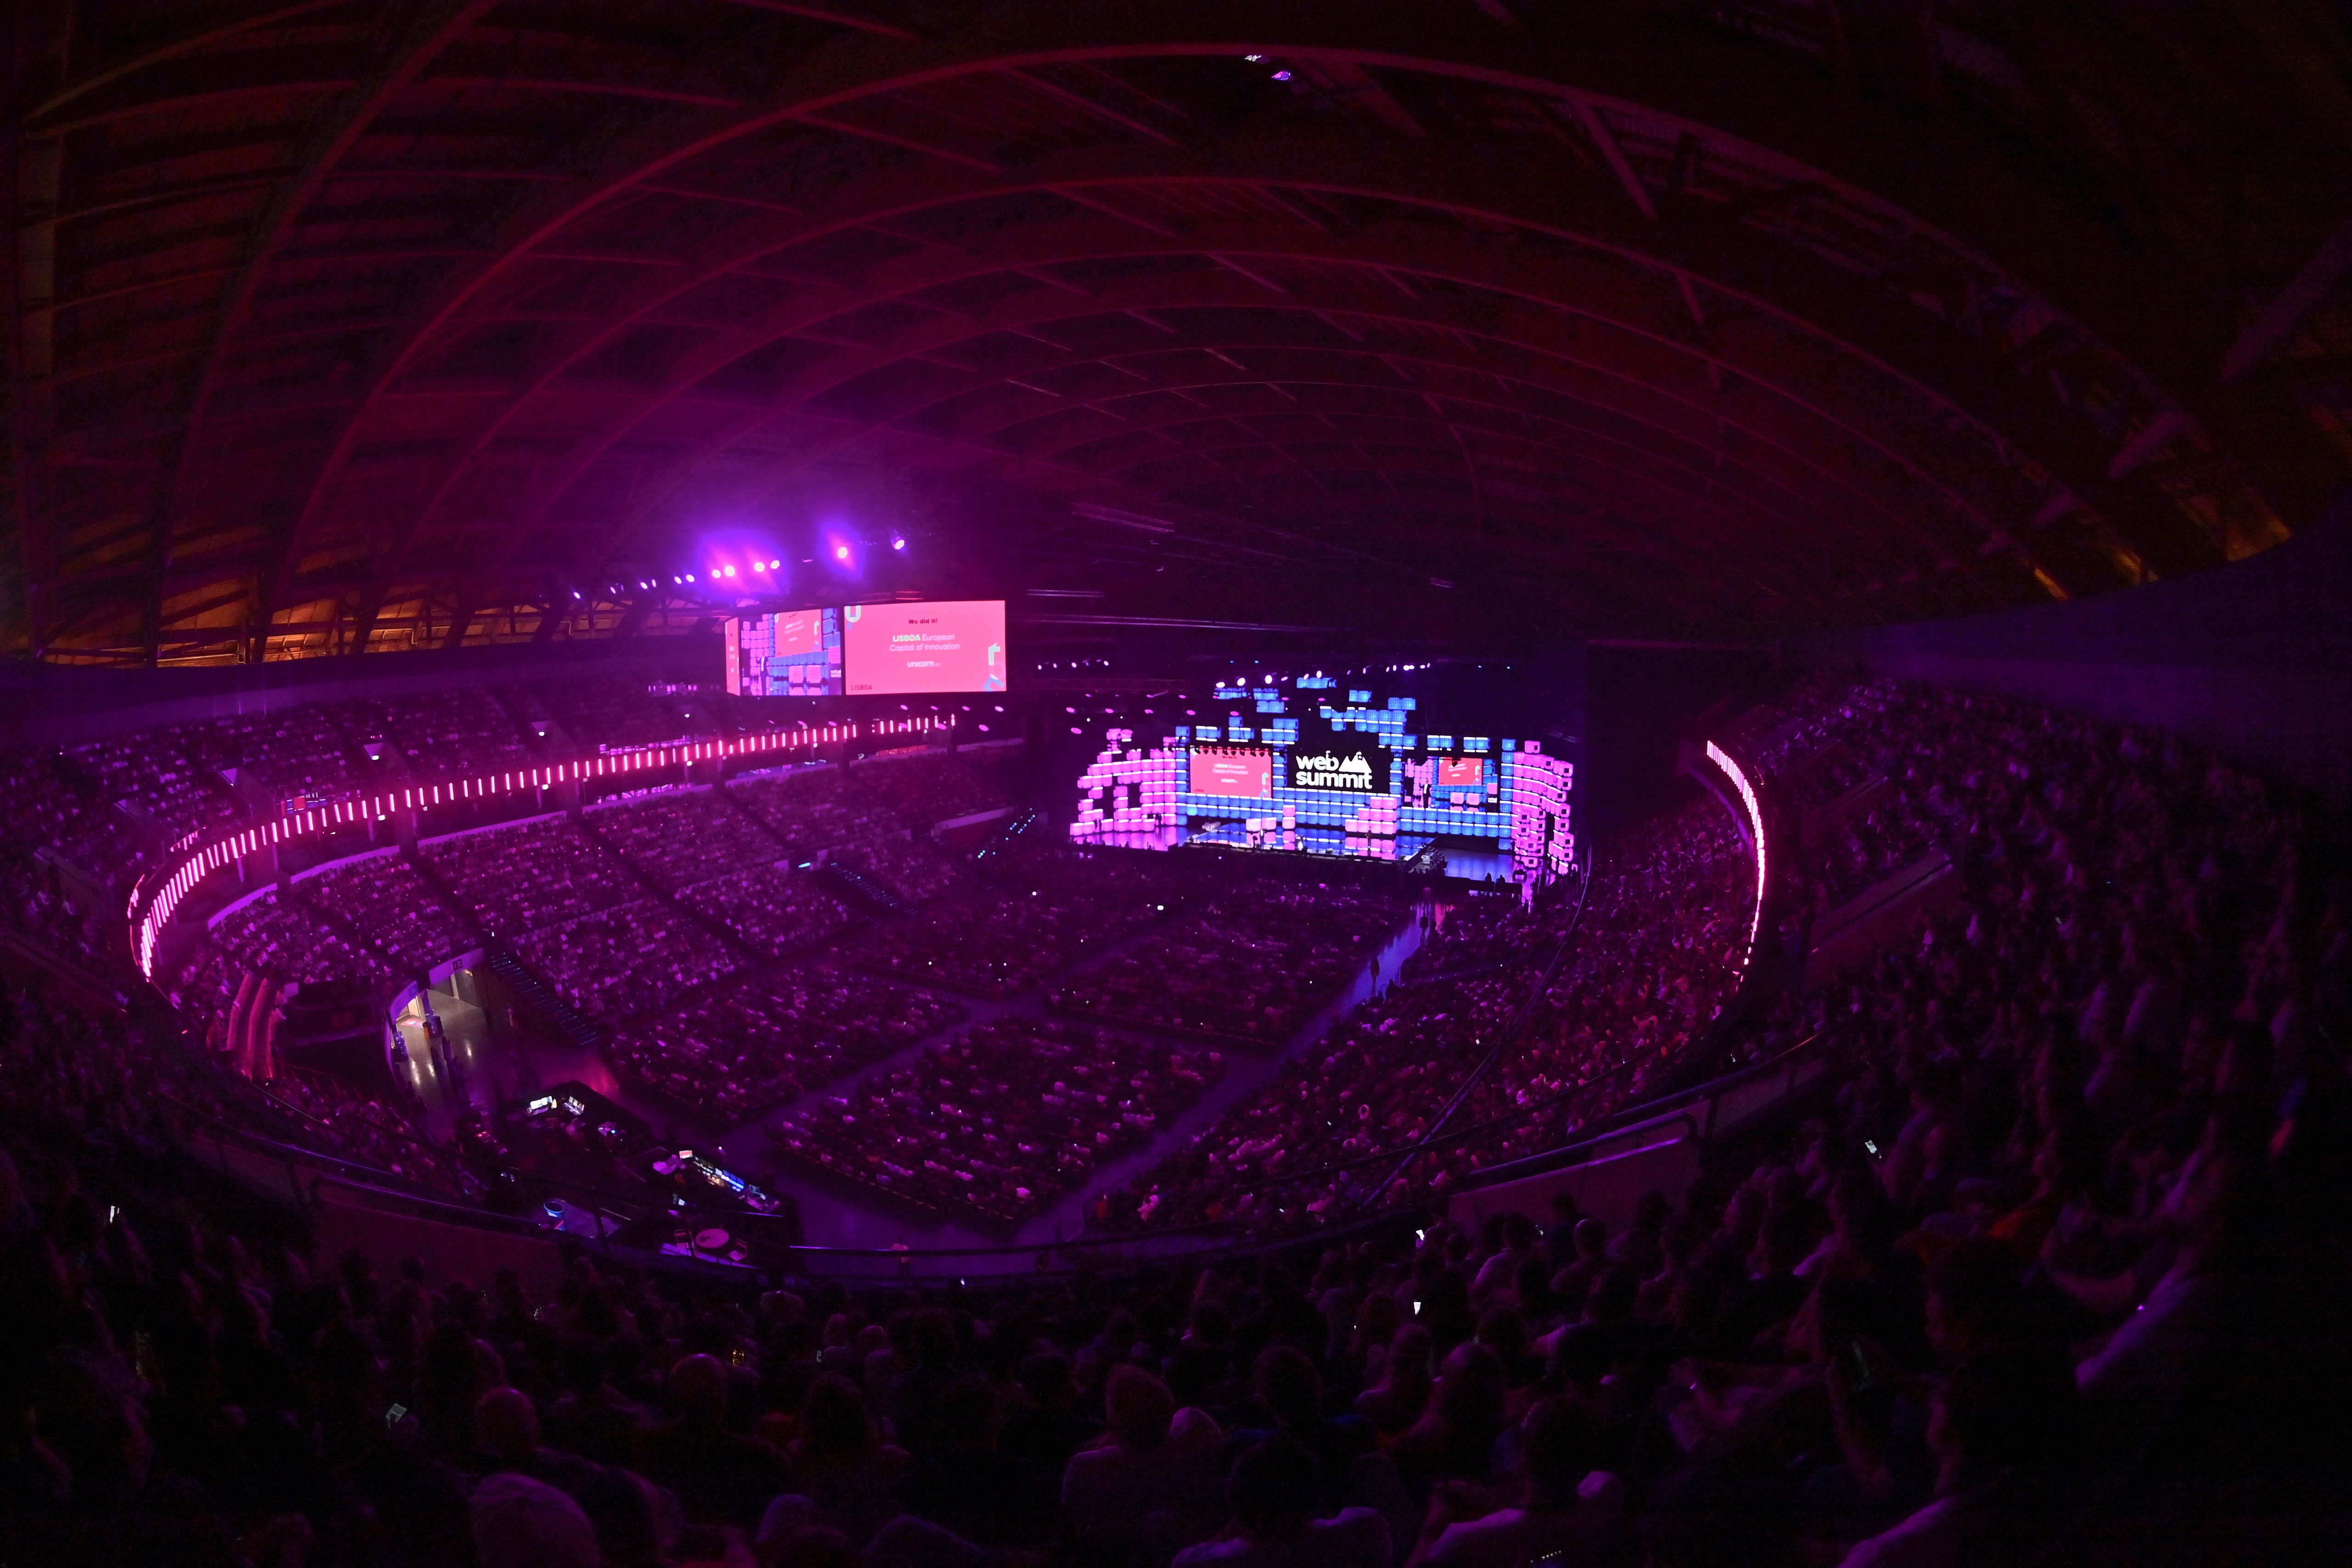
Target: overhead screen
point(787, 653)
point(946, 645)
point(874, 650)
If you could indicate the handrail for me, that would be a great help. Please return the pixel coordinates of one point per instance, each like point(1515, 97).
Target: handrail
point(1565, 1155)
point(1221, 1235)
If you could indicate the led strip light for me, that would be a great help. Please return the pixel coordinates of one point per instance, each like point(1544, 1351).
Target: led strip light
point(1722, 758)
point(159, 894)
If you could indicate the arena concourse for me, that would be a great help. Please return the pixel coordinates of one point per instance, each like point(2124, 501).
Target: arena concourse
point(1466, 784)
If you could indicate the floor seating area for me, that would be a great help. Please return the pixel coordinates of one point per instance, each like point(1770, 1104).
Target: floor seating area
point(1001, 1121)
point(1252, 968)
point(738, 1051)
point(627, 960)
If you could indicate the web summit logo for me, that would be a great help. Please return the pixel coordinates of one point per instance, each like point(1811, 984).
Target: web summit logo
point(1330, 771)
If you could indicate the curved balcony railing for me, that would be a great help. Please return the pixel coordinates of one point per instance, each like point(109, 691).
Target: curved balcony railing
point(159, 894)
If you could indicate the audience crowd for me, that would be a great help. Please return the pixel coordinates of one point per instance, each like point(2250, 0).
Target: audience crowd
point(1853, 850)
point(612, 710)
point(286, 935)
point(150, 773)
point(2050, 1272)
point(773, 909)
point(1252, 967)
point(1376, 1082)
point(389, 906)
point(926, 787)
point(52, 813)
point(463, 732)
point(538, 873)
point(39, 900)
point(1002, 1120)
point(1000, 943)
point(816, 808)
point(1806, 1360)
point(685, 835)
point(289, 752)
point(738, 1052)
point(1663, 951)
point(1477, 1027)
point(621, 962)
point(346, 1121)
point(913, 871)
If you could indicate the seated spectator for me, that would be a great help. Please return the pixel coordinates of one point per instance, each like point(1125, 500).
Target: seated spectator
point(1454, 1438)
point(506, 1442)
point(716, 1473)
point(1398, 1399)
point(2001, 1430)
point(963, 1480)
point(518, 1523)
point(1274, 1494)
point(1042, 1430)
point(1285, 1386)
point(1568, 1512)
point(1152, 1476)
point(839, 1462)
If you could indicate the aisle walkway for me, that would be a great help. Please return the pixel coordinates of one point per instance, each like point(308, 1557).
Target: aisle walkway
point(844, 1216)
point(1245, 1075)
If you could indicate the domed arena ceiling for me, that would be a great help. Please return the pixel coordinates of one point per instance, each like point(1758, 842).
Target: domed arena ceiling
point(345, 326)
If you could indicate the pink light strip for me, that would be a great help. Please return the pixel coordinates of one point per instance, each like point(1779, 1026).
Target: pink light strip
point(1722, 758)
point(151, 908)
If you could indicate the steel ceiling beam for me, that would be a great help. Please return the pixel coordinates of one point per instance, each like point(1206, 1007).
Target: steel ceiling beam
point(1384, 35)
point(1474, 261)
point(426, 28)
point(1635, 75)
point(1455, 183)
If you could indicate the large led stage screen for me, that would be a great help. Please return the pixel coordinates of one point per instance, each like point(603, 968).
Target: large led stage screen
point(946, 645)
point(1248, 775)
point(1330, 758)
point(1461, 773)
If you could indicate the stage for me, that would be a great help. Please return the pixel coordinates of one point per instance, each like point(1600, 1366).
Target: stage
point(1467, 860)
